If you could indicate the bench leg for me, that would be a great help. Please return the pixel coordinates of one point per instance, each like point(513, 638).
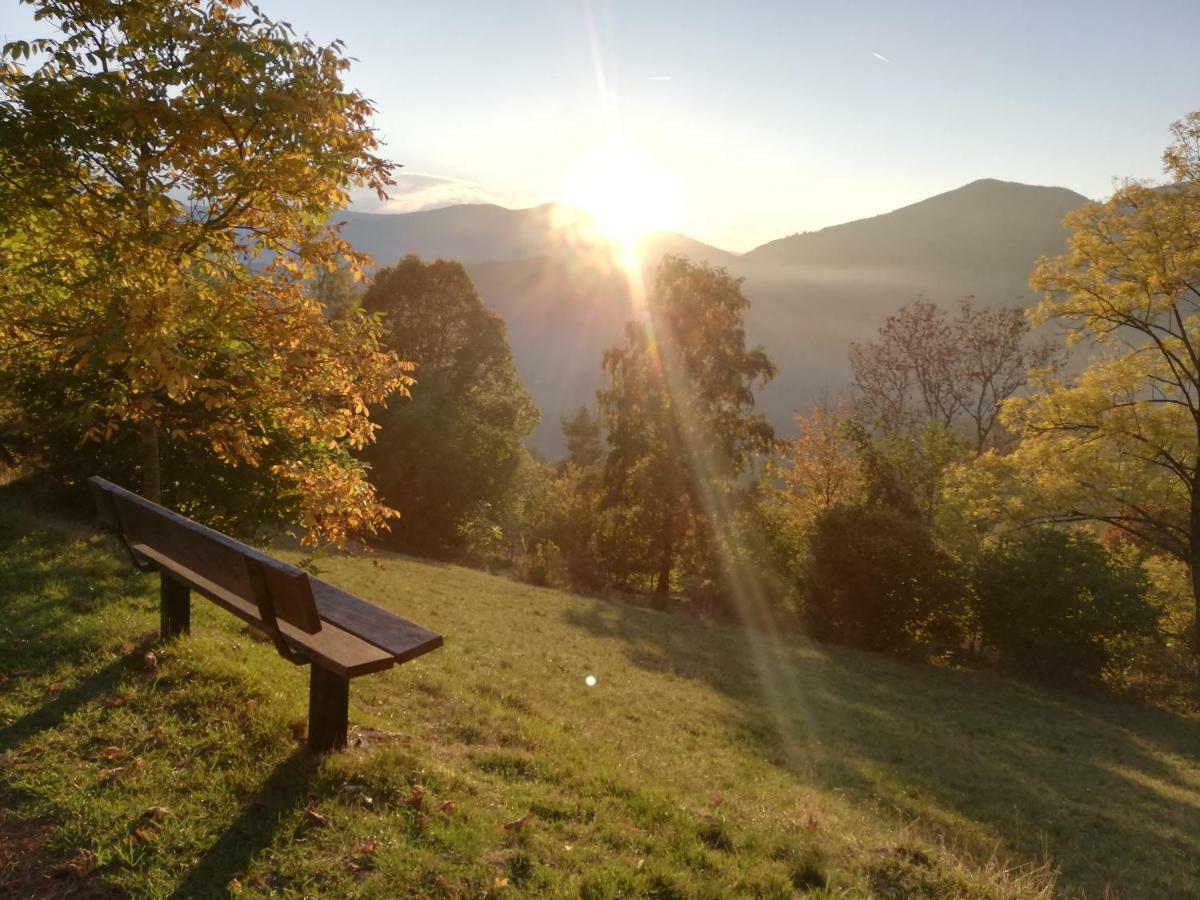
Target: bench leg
point(328, 709)
point(175, 609)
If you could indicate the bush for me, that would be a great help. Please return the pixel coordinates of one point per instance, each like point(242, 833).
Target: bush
point(542, 566)
point(877, 580)
point(1056, 605)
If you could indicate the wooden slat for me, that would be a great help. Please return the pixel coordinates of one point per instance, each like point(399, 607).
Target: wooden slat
point(335, 649)
point(401, 638)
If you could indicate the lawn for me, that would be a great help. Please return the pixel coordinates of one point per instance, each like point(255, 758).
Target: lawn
point(704, 761)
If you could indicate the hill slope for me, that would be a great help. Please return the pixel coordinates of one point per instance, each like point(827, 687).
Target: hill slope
point(702, 763)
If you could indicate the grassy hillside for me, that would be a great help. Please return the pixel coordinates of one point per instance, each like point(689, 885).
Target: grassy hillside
point(702, 763)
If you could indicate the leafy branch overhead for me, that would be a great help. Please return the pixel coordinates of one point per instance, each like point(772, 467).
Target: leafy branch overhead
point(165, 194)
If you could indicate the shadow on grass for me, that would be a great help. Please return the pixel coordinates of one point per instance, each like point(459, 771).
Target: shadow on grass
point(254, 830)
point(61, 705)
point(50, 583)
point(1110, 790)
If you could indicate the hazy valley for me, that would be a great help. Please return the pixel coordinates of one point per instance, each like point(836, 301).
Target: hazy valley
point(812, 294)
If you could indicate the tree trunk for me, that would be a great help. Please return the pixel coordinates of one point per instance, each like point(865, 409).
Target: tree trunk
point(151, 465)
point(1194, 556)
point(667, 559)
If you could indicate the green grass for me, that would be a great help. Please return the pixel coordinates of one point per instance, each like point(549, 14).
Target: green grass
point(705, 762)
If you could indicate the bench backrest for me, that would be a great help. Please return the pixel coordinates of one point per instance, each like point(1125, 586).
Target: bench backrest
point(231, 565)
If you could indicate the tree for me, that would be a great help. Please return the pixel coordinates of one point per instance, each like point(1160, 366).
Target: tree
point(1120, 442)
point(678, 412)
point(822, 469)
point(457, 444)
point(584, 438)
point(927, 368)
point(167, 171)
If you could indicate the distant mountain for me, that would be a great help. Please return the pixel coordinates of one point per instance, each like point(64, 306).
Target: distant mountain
point(981, 227)
point(476, 232)
point(483, 232)
point(811, 294)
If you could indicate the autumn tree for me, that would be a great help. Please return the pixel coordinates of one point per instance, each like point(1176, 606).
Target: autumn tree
point(820, 467)
point(167, 172)
point(930, 368)
point(678, 412)
point(456, 446)
point(1120, 442)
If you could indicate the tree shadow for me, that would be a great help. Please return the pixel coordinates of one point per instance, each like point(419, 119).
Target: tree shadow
point(1110, 789)
point(61, 705)
point(49, 583)
point(254, 829)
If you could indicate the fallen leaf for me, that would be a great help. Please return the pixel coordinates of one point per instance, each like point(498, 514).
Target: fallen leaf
point(110, 774)
point(518, 824)
point(149, 661)
point(157, 813)
point(145, 835)
point(448, 807)
point(113, 752)
point(234, 886)
point(311, 814)
point(369, 848)
point(416, 797)
point(811, 825)
point(55, 687)
point(115, 702)
point(500, 882)
point(81, 865)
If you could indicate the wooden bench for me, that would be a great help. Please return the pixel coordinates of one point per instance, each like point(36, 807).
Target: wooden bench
point(309, 621)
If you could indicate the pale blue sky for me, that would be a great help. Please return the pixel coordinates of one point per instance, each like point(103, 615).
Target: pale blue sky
point(765, 118)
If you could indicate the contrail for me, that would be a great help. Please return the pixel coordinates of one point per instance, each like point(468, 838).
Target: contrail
point(881, 57)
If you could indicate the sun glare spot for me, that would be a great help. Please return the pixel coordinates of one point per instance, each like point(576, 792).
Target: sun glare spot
point(623, 198)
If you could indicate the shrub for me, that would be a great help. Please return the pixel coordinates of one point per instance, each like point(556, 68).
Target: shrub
point(1055, 604)
point(877, 580)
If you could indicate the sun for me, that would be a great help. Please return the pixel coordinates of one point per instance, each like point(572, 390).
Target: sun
point(624, 199)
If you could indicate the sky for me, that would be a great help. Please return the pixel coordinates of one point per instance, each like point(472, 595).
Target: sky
point(741, 122)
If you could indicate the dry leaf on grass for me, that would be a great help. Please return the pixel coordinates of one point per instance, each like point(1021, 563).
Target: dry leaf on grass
point(518, 824)
point(313, 817)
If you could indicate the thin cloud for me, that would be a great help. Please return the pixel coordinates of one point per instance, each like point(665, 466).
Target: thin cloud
point(416, 191)
point(880, 57)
